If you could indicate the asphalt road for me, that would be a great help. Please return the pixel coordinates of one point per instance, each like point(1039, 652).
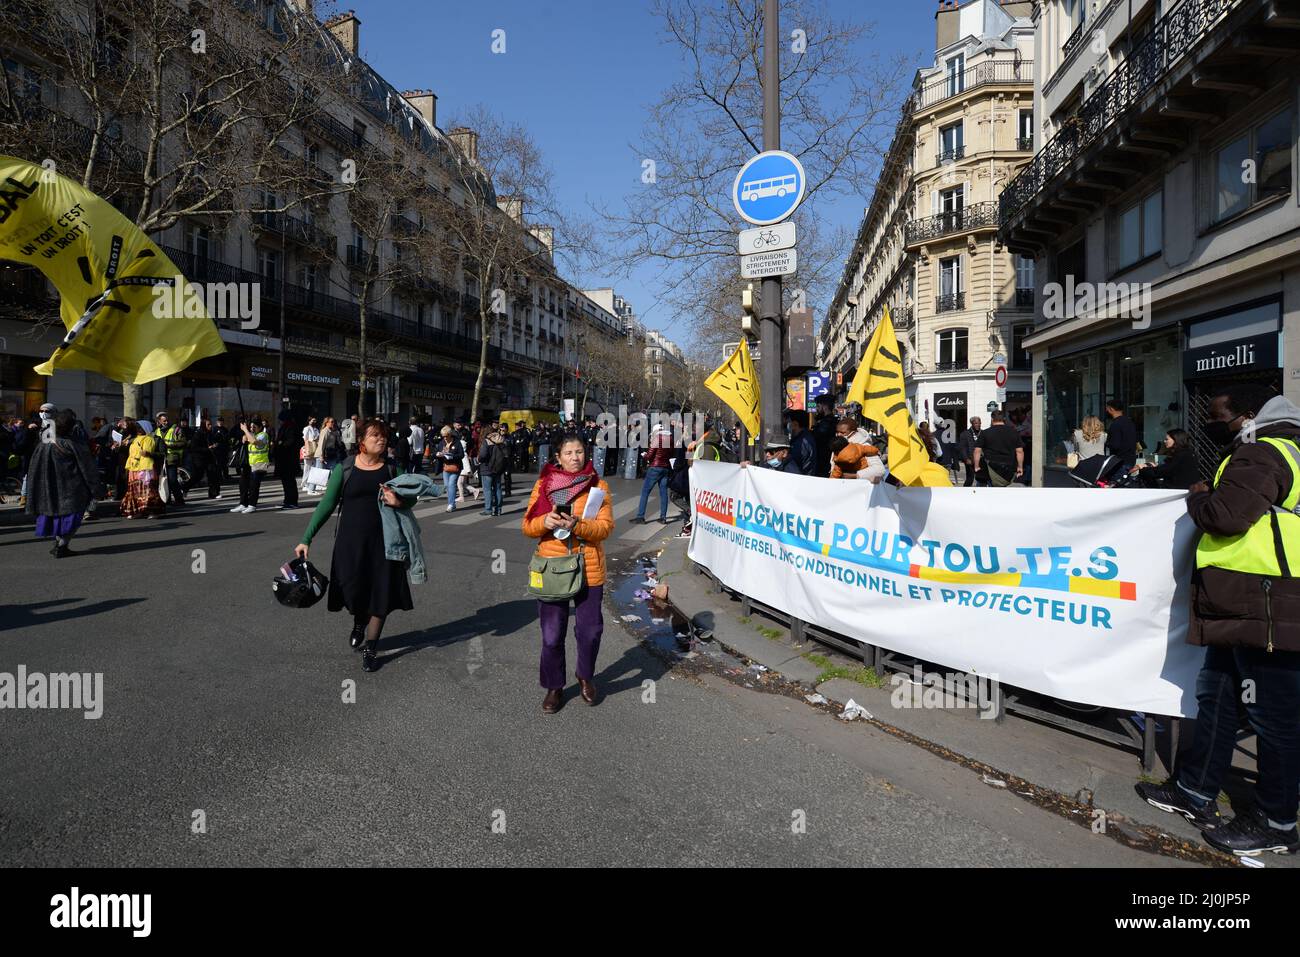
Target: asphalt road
point(218, 700)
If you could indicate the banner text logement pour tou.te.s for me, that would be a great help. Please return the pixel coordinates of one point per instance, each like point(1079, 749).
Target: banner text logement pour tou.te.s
point(1068, 592)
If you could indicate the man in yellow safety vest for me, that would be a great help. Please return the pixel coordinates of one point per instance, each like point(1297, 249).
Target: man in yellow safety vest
point(1246, 612)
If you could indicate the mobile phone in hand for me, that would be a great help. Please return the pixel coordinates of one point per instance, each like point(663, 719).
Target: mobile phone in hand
point(565, 510)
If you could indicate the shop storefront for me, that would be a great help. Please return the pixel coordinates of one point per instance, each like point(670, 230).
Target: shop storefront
point(21, 390)
point(951, 407)
point(1240, 346)
point(1144, 372)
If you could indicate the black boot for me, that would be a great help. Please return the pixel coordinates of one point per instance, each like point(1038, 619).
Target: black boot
point(368, 662)
point(358, 636)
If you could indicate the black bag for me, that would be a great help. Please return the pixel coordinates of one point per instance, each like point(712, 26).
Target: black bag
point(302, 587)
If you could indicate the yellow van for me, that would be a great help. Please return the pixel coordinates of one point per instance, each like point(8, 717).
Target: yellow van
point(530, 417)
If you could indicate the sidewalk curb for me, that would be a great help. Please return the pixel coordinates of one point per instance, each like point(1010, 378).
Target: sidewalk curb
point(1076, 768)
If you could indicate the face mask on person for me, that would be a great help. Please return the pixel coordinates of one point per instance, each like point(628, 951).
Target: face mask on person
point(1218, 431)
point(772, 462)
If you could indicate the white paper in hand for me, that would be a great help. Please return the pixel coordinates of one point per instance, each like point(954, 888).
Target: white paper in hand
point(595, 499)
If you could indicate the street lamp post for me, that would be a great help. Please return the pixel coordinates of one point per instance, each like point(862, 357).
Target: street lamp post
point(771, 363)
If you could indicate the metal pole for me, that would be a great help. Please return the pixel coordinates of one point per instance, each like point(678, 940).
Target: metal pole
point(772, 363)
point(283, 266)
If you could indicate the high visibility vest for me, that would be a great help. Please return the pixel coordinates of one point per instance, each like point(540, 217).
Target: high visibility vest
point(262, 457)
point(175, 442)
point(1271, 546)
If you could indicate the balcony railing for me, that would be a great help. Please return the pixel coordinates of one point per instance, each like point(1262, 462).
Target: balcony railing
point(1024, 299)
point(333, 130)
point(1072, 40)
point(362, 259)
point(956, 365)
point(297, 230)
point(903, 318)
point(206, 270)
point(1025, 144)
point(69, 134)
point(1172, 36)
point(949, 155)
point(952, 302)
point(978, 216)
point(981, 74)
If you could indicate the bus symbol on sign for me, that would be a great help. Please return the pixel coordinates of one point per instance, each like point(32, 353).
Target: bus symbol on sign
point(757, 188)
point(769, 188)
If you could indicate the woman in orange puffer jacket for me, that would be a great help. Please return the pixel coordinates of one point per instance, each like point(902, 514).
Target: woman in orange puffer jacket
point(557, 502)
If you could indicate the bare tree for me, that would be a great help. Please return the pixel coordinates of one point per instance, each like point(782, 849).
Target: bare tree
point(182, 109)
point(837, 109)
point(502, 222)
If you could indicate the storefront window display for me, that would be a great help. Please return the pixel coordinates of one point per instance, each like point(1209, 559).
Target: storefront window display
point(1144, 373)
point(21, 390)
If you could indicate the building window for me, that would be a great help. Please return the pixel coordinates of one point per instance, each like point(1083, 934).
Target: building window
point(1024, 282)
point(950, 285)
point(198, 241)
point(956, 74)
point(1265, 151)
point(268, 264)
point(1025, 131)
point(1138, 231)
point(950, 350)
point(1020, 358)
point(952, 142)
point(1071, 261)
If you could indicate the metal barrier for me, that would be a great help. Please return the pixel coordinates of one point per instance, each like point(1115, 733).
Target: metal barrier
point(1141, 741)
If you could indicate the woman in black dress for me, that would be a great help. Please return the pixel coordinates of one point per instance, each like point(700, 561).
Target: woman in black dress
point(362, 579)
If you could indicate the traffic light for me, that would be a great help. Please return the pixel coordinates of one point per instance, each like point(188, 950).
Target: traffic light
point(748, 325)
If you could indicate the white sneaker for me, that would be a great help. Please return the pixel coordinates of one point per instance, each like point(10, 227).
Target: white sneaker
point(237, 508)
point(451, 508)
point(249, 508)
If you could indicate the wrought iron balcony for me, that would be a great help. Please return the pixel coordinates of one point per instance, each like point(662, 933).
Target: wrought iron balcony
point(363, 260)
point(956, 365)
point(65, 132)
point(953, 302)
point(1024, 299)
point(903, 318)
point(296, 230)
point(949, 155)
point(1025, 144)
point(333, 130)
point(1171, 38)
point(981, 74)
point(978, 216)
point(1072, 41)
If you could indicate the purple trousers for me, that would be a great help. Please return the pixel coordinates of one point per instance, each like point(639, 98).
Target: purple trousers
point(587, 629)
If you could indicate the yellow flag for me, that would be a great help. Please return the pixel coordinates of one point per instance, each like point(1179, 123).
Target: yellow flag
point(105, 270)
point(878, 386)
point(736, 383)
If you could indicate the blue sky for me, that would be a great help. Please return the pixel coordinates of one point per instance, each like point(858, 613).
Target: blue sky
point(579, 75)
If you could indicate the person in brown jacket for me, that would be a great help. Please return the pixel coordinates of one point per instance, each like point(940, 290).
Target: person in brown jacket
point(554, 516)
point(1246, 612)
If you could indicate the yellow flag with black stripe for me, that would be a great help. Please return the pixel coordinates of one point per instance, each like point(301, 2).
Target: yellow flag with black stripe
point(105, 270)
point(878, 386)
point(736, 383)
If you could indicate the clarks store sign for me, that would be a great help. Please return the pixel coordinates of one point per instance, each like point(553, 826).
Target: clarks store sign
point(1225, 358)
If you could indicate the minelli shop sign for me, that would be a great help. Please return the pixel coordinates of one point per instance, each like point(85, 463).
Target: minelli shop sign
point(1252, 354)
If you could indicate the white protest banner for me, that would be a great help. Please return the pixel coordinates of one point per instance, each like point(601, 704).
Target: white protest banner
point(1079, 594)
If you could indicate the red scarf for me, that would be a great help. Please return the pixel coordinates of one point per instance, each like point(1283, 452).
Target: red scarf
point(561, 488)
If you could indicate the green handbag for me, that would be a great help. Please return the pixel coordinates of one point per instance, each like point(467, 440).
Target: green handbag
point(558, 578)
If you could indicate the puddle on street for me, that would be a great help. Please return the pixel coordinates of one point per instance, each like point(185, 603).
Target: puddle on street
point(656, 621)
